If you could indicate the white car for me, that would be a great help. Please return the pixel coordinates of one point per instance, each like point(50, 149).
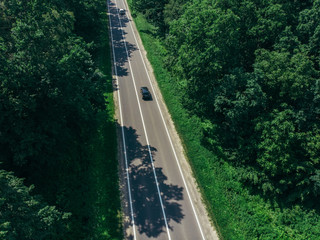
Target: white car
point(122, 11)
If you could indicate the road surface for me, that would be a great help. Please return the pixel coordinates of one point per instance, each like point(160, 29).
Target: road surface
point(161, 197)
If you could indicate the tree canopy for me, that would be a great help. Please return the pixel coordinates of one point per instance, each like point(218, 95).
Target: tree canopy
point(51, 92)
point(24, 215)
point(251, 68)
point(246, 74)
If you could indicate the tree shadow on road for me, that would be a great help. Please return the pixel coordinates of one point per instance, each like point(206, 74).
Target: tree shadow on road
point(122, 48)
point(148, 215)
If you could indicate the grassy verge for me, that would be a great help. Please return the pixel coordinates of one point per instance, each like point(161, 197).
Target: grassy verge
point(236, 213)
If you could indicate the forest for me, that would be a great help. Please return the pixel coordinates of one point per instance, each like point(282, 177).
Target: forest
point(249, 72)
point(57, 135)
point(246, 74)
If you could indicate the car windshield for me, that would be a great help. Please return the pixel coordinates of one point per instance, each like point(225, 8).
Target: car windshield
point(144, 90)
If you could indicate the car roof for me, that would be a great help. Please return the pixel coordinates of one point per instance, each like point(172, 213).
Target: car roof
point(144, 89)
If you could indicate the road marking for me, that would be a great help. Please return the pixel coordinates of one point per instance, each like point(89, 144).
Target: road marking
point(175, 155)
point(145, 131)
point(122, 127)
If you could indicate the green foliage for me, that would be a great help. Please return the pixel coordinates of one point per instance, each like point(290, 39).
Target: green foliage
point(153, 10)
point(50, 85)
point(208, 48)
point(25, 216)
point(89, 17)
point(284, 158)
point(308, 30)
point(247, 75)
point(52, 97)
point(173, 10)
point(271, 19)
point(211, 33)
point(287, 78)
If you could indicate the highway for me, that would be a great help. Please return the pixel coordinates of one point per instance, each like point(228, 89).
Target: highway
point(161, 197)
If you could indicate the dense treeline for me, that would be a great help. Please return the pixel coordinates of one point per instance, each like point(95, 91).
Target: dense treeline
point(51, 93)
point(250, 71)
point(251, 68)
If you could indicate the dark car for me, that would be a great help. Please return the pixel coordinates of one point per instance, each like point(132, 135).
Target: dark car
point(122, 11)
point(146, 95)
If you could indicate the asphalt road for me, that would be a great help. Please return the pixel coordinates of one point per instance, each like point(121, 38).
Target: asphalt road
point(160, 203)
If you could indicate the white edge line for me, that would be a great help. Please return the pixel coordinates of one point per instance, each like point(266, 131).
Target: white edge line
point(193, 208)
point(122, 127)
point(146, 135)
